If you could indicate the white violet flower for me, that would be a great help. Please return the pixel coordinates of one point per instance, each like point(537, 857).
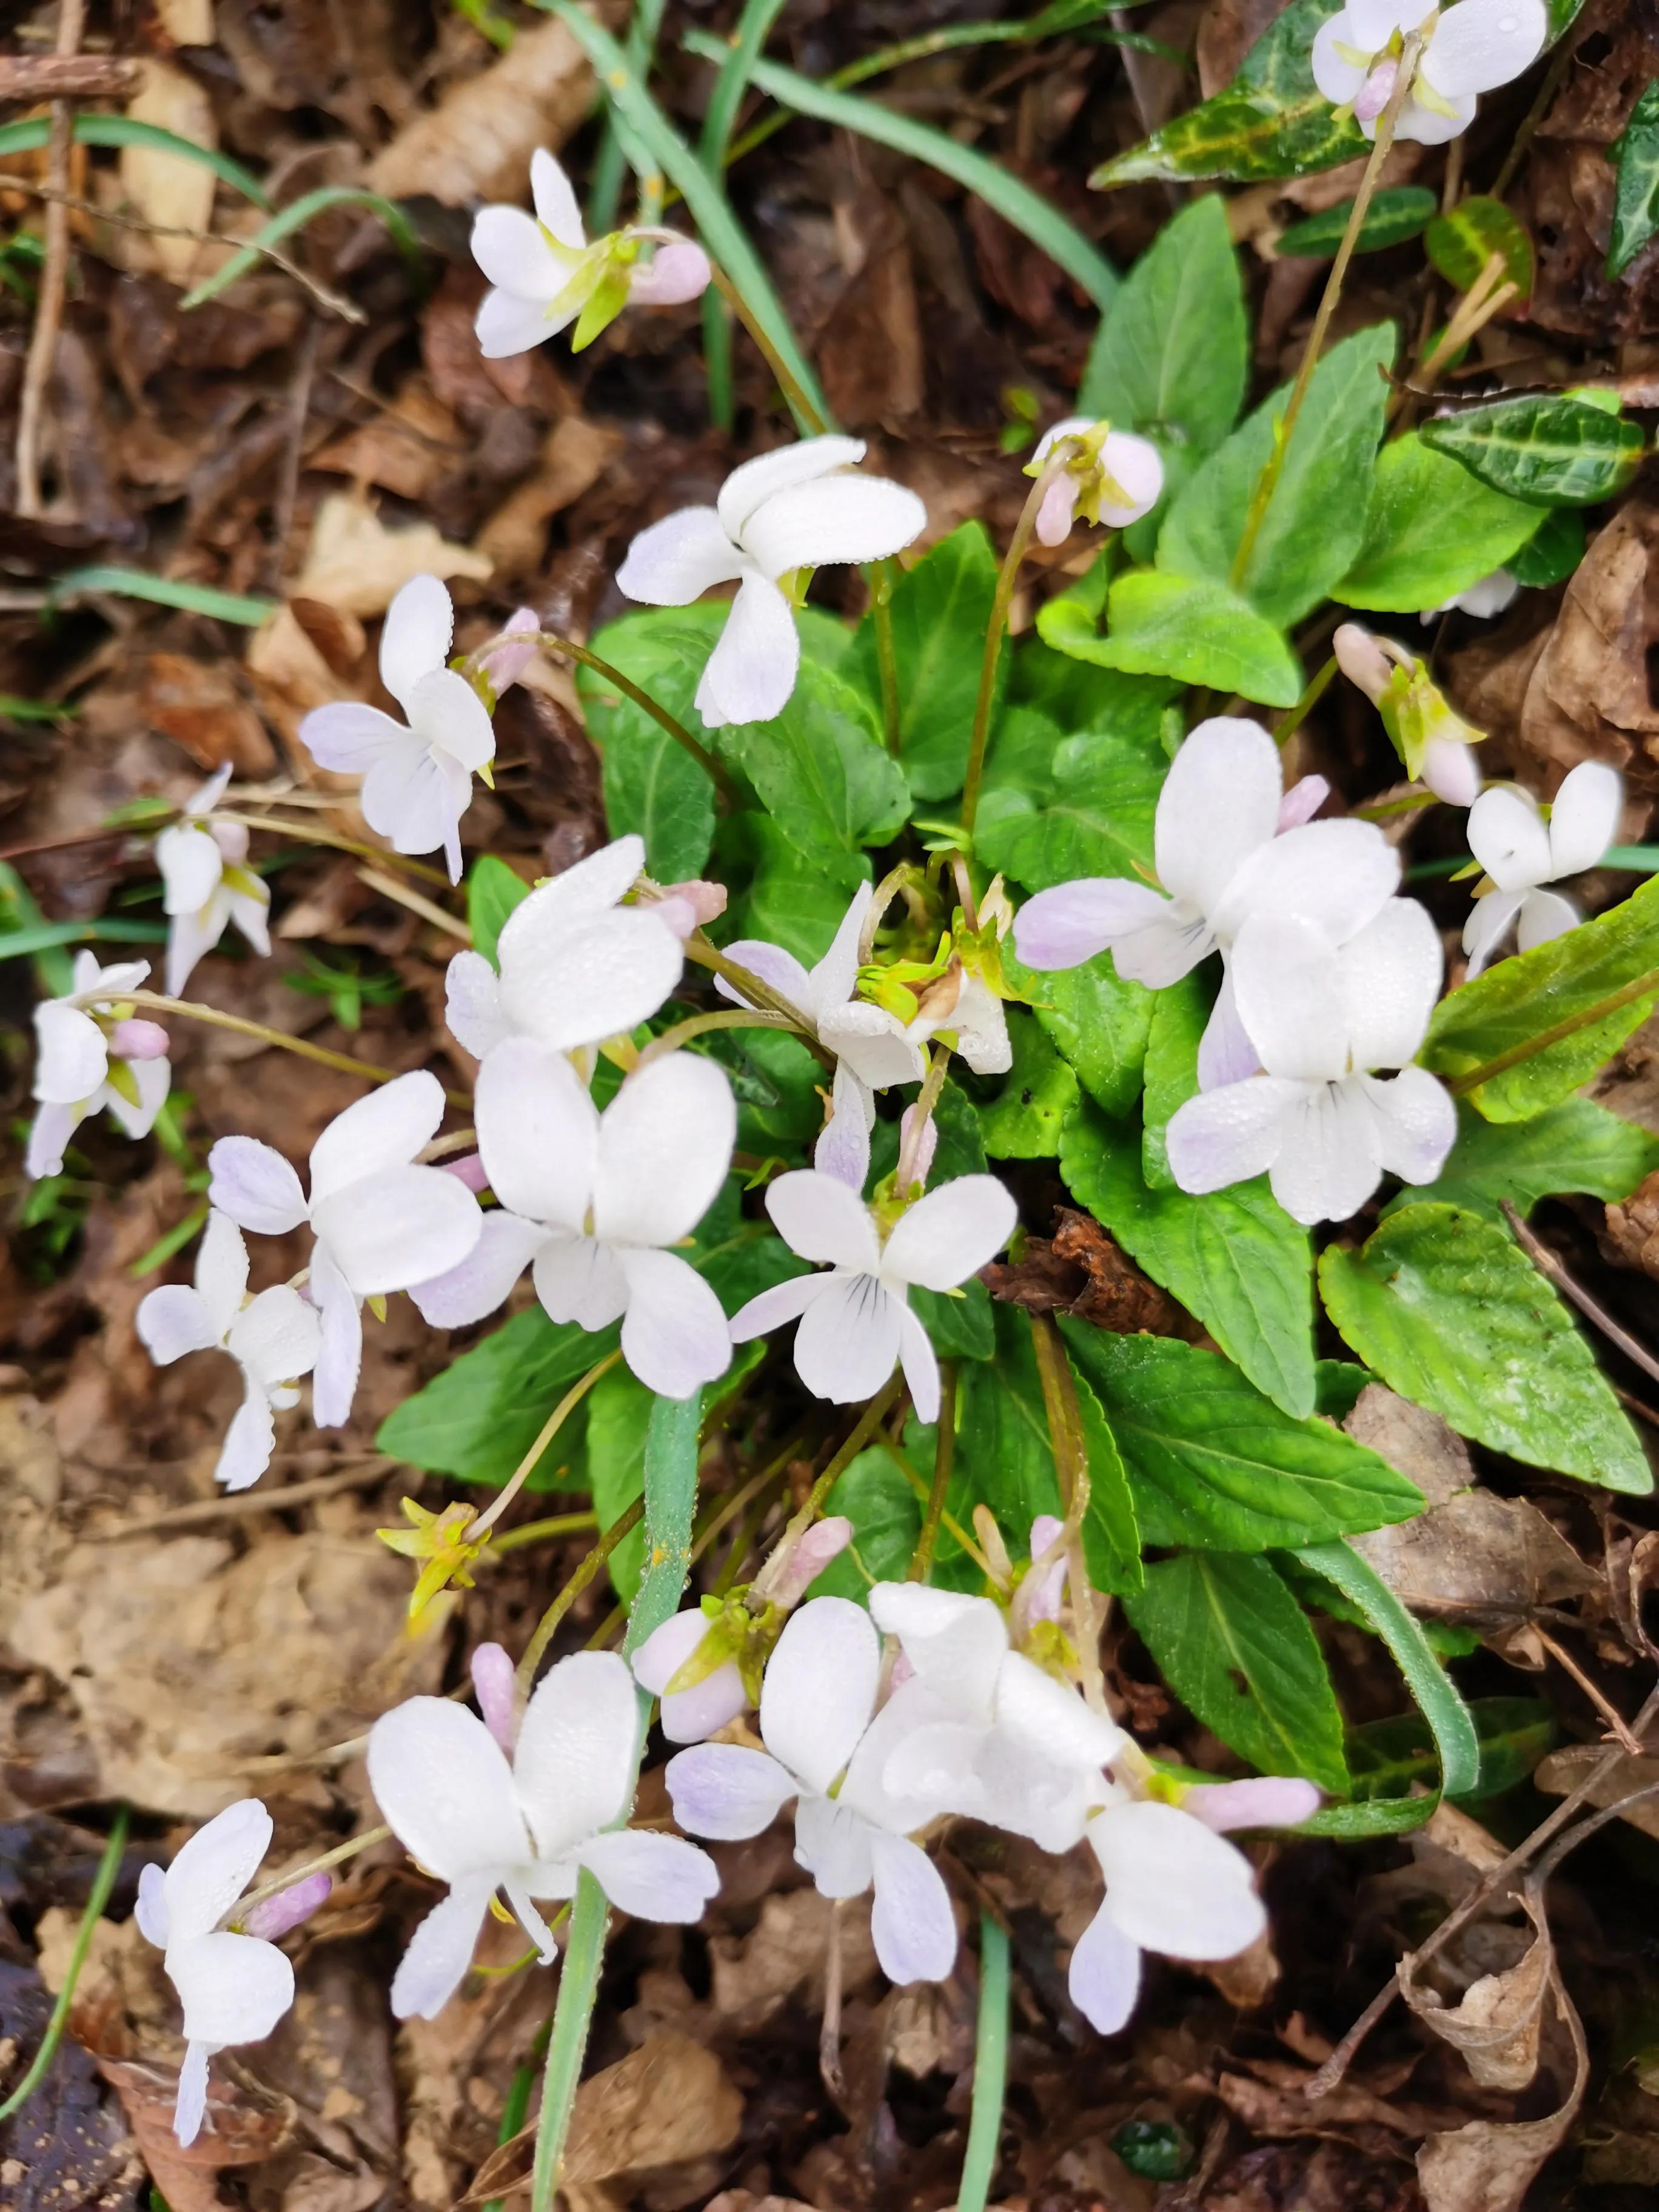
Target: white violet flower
point(380, 1222)
point(800, 507)
point(1522, 852)
point(233, 1988)
point(1318, 1122)
point(526, 1828)
point(575, 965)
point(1111, 476)
point(206, 883)
point(592, 1202)
point(545, 275)
point(1483, 600)
point(1472, 47)
point(856, 1320)
point(417, 774)
point(1433, 740)
point(91, 1056)
point(273, 1338)
point(816, 1708)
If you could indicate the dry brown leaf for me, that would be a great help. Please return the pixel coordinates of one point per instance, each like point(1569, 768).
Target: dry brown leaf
point(357, 564)
point(1415, 1442)
point(1495, 2025)
point(198, 705)
point(1633, 1228)
point(574, 456)
point(170, 189)
point(785, 1952)
point(1562, 1771)
point(413, 441)
point(1489, 2166)
point(1487, 1561)
point(185, 22)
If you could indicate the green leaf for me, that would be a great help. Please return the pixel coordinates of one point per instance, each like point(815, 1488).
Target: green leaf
point(1570, 980)
point(31, 134)
point(1433, 531)
point(1003, 1451)
point(1556, 452)
point(618, 1413)
point(1271, 121)
point(480, 1416)
point(1394, 216)
point(671, 1501)
point(1023, 210)
point(819, 769)
point(1111, 1527)
point(652, 786)
point(1461, 242)
point(1215, 1464)
point(1316, 522)
point(1553, 550)
point(1023, 1122)
point(1577, 1146)
point(886, 1517)
point(1172, 356)
point(941, 609)
point(294, 216)
point(1234, 1259)
point(1236, 1648)
point(1196, 629)
point(1098, 1022)
point(1092, 816)
point(1387, 1758)
point(1181, 1013)
point(1437, 1698)
point(788, 898)
point(1636, 197)
point(1443, 1305)
point(493, 891)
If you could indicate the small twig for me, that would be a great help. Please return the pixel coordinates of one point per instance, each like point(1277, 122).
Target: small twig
point(245, 1502)
point(829, 2032)
point(28, 78)
point(54, 277)
point(1615, 1720)
point(1549, 1265)
point(287, 488)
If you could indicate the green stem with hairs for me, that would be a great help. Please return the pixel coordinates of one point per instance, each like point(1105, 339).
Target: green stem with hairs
point(979, 2163)
point(156, 1002)
point(550, 1428)
point(659, 713)
point(547, 1626)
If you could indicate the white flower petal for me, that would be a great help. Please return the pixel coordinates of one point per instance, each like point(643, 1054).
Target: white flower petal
point(1584, 819)
point(1490, 921)
point(750, 673)
point(1416, 1123)
point(1103, 1979)
point(727, 1792)
point(947, 1236)
point(770, 1310)
point(472, 994)
point(1173, 1885)
point(276, 1337)
point(1051, 1719)
point(191, 937)
point(73, 1057)
point(440, 1952)
point(446, 710)
point(249, 1441)
point(1288, 985)
point(660, 1878)
point(1545, 914)
point(1225, 1053)
point(1332, 874)
point(508, 245)
point(384, 1129)
point(349, 737)
point(678, 559)
point(1507, 835)
point(773, 965)
point(819, 1689)
point(255, 1186)
point(1220, 801)
point(664, 1149)
point(190, 2106)
point(555, 199)
point(415, 798)
point(578, 1278)
point(576, 1756)
point(1390, 978)
point(403, 1226)
point(956, 1643)
point(1481, 44)
point(174, 1321)
point(919, 1363)
point(577, 894)
point(507, 1245)
point(832, 1842)
point(211, 1870)
point(190, 865)
point(1135, 466)
point(339, 1361)
point(1331, 1160)
point(222, 1270)
point(1451, 771)
point(538, 1133)
point(911, 1925)
point(151, 1079)
point(233, 1989)
point(871, 1043)
point(842, 1149)
point(842, 518)
point(50, 1130)
point(847, 1343)
point(835, 977)
point(507, 324)
point(445, 1790)
point(822, 1220)
point(767, 474)
point(150, 1906)
point(416, 638)
point(674, 1334)
point(1231, 1134)
point(617, 972)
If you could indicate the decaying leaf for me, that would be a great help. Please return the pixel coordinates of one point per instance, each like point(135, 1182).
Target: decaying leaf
point(358, 564)
point(1082, 1271)
point(1495, 2025)
point(1485, 1561)
point(169, 189)
point(1618, 1775)
point(1488, 2165)
point(198, 705)
point(1416, 1443)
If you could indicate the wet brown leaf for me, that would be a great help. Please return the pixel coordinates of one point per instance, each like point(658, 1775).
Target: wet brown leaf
point(1082, 1271)
point(66, 2150)
point(198, 705)
point(784, 1954)
point(1563, 1771)
point(1487, 1561)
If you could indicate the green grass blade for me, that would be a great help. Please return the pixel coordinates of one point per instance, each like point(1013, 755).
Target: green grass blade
point(165, 591)
point(1028, 212)
point(722, 233)
point(31, 134)
point(296, 217)
point(41, 937)
point(754, 28)
point(1437, 1698)
point(604, 190)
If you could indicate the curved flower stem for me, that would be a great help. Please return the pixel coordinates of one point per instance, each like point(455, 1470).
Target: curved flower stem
point(1017, 547)
point(863, 1429)
point(550, 1428)
point(303, 832)
point(945, 1438)
point(758, 993)
point(1318, 686)
point(734, 1018)
point(103, 1881)
point(341, 1852)
point(159, 1004)
point(1645, 987)
point(979, 2163)
point(1060, 1403)
point(806, 410)
point(539, 1532)
point(920, 1115)
point(547, 1626)
point(1267, 483)
point(579, 1985)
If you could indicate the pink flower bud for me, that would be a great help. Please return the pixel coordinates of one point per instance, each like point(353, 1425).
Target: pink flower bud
point(493, 1685)
point(1450, 772)
point(139, 1040)
point(1302, 802)
point(688, 906)
point(1266, 1800)
point(1054, 520)
point(469, 1169)
point(1377, 92)
point(278, 1914)
point(1043, 1591)
point(679, 272)
point(925, 1151)
point(508, 662)
point(823, 1541)
point(688, 1715)
point(231, 838)
point(1362, 660)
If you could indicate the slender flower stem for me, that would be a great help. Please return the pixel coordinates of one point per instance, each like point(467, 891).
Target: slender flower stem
point(1267, 483)
point(881, 574)
point(305, 834)
point(1645, 987)
point(551, 1427)
point(863, 1429)
point(337, 1857)
point(1317, 686)
point(1060, 1403)
point(920, 1115)
point(1018, 547)
point(979, 2164)
point(733, 1017)
point(103, 1881)
point(579, 1985)
point(805, 410)
point(758, 993)
point(517, 2106)
point(540, 1532)
point(944, 1438)
point(161, 1005)
point(547, 1626)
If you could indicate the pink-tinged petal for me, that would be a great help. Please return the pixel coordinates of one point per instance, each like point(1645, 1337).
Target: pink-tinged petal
point(1288, 986)
point(847, 1343)
point(1545, 914)
point(72, 1058)
point(697, 898)
point(1334, 875)
point(665, 1147)
point(1377, 92)
point(502, 667)
point(50, 1130)
point(349, 737)
point(1507, 835)
point(190, 2107)
point(1416, 1123)
point(1173, 1885)
point(445, 1790)
point(339, 1362)
point(688, 1715)
point(1225, 1053)
point(507, 324)
point(726, 1792)
point(946, 1237)
point(824, 1221)
point(659, 1878)
point(819, 1690)
point(1303, 801)
point(440, 1952)
point(538, 1133)
point(276, 1337)
point(249, 1441)
point(133, 1039)
point(751, 674)
point(678, 273)
point(1266, 1800)
point(832, 1842)
point(289, 1910)
point(479, 1285)
point(956, 1643)
point(384, 1129)
point(1220, 801)
point(400, 1227)
point(678, 559)
point(446, 710)
point(469, 1170)
point(927, 1149)
point(841, 517)
point(416, 637)
point(190, 865)
point(210, 1871)
point(1103, 1979)
point(666, 1649)
point(919, 1363)
point(773, 1309)
point(779, 471)
point(1059, 505)
point(911, 1923)
point(577, 1751)
point(255, 1186)
point(508, 245)
point(555, 198)
point(172, 1322)
point(1451, 772)
point(473, 1008)
point(674, 1334)
point(817, 1548)
point(871, 1043)
point(233, 1989)
point(1584, 819)
point(493, 1685)
point(1073, 427)
point(843, 1146)
point(578, 1278)
point(1052, 1720)
point(1063, 927)
point(1481, 44)
point(1134, 465)
point(415, 798)
point(1391, 973)
point(1490, 921)
point(1331, 1158)
point(773, 965)
point(1231, 1134)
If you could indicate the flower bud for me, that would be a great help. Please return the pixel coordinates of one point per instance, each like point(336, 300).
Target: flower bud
point(1302, 802)
point(1362, 660)
point(1377, 92)
point(925, 1149)
point(1043, 1591)
point(133, 1039)
point(276, 1915)
point(1266, 1801)
point(504, 664)
point(824, 1541)
point(678, 271)
point(469, 1169)
point(493, 1685)
point(695, 1711)
point(688, 906)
